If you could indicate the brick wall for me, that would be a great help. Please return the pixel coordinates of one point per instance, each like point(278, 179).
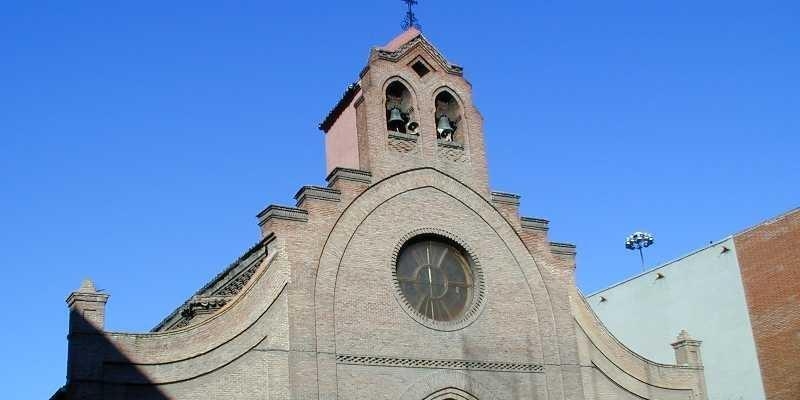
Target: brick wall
point(769, 258)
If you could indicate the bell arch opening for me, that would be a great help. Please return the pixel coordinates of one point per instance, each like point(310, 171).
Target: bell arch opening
point(448, 117)
point(400, 113)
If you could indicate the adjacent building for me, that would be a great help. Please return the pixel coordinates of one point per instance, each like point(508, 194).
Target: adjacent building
point(740, 294)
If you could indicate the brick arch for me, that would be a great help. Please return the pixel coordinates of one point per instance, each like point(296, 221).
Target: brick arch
point(350, 219)
point(451, 394)
point(445, 385)
point(402, 80)
point(412, 92)
point(444, 88)
point(463, 123)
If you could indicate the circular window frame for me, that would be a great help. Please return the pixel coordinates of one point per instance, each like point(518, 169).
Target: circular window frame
point(479, 284)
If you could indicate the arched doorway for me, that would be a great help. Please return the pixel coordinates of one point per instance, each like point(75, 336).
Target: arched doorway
point(451, 394)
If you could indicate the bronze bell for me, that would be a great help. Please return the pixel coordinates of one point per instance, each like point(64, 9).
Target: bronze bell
point(396, 119)
point(443, 126)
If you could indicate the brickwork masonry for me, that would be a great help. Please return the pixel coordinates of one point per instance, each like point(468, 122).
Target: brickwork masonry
point(769, 260)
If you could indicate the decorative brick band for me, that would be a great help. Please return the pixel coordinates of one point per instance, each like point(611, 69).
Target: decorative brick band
point(199, 305)
point(282, 212)
point(317, 192)
point(402, 142)
point(349, 174)
point(451, 145)
point(505, 198)
point(403, 136)
point(439, 364)
point(534, 223)
point(233, 287)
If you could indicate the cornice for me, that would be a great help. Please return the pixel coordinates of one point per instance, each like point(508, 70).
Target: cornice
point(567, 249)
point(349, 174)
point(282, 212)
point(318, 193)
point(537, 224)
point(505, 198)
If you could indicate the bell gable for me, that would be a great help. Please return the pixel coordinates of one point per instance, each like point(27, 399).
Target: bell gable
point(410, 108)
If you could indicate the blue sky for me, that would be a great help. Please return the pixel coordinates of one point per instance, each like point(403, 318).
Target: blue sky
point(139, 140)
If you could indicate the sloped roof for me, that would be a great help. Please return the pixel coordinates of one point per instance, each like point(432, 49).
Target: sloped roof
point(401, 39)
point(337, 110)
point(409, 39)
point(225, 283)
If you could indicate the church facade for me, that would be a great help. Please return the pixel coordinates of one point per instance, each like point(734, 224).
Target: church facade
point(404, 278)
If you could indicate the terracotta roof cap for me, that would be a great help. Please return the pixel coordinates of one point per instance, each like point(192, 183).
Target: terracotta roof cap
point(402, 39)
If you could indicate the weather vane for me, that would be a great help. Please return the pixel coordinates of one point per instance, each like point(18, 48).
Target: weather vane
point(411, 21)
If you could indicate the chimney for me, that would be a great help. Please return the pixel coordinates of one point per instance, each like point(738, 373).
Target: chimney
point(87, 309)
point(86, 343)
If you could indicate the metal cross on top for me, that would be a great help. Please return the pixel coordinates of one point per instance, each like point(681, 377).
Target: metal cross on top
point(411, 20)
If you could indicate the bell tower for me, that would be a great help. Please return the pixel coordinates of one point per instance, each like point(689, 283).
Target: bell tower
point(410, 108)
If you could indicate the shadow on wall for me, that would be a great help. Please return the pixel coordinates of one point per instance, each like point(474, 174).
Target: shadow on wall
point(91, 355)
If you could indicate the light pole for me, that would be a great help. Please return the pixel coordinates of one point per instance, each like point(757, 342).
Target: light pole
point(638, 241)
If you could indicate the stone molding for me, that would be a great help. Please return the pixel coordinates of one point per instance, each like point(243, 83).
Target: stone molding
point(200, 305)
point(439, 364)
point(87, 293)
point(403, 136)
point(349, 174)
point(235, 285)
point(537, 224)
point(505, 198)
point(685, 340)
point(86, 297)
point(451, 145)
point(317, 193)
point(566, 249)
point(282, 212)
point(208, 302)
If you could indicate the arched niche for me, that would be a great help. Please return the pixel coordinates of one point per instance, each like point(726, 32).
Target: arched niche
point(400, 111)
point(448, 117)
point(456, 385)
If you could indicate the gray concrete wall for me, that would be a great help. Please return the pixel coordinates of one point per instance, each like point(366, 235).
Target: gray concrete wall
point(702, 293)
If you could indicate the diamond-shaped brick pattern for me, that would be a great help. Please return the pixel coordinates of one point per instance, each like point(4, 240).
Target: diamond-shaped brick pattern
point(401, 146)
point(452, 154)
